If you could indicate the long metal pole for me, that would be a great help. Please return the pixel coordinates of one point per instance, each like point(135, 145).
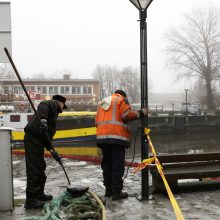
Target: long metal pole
point(186, 90)
point(21, 82)
point(32, 105)
point(144, 101)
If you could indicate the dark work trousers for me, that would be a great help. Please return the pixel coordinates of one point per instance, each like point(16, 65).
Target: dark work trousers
point(113, 166)
point(35, 167)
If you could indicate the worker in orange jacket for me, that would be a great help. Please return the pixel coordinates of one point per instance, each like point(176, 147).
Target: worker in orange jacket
point(113, 136)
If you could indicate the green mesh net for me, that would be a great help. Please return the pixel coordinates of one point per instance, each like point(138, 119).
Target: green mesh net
point(69, 208)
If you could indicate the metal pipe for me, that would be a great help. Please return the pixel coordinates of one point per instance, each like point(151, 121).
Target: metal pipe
point(21, 82)
point(144, 101)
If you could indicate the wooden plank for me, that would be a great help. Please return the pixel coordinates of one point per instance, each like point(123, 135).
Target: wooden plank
point(193, 173)
point(189, 157)
point(187, 164)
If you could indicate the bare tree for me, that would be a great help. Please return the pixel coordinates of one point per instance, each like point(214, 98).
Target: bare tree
point(199, 89)
point(194, 49)
point(98, 74)
point(111, 78)
point(108, 79)
point(130, 82)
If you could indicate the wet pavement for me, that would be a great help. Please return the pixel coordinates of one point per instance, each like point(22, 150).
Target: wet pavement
point(202, 205)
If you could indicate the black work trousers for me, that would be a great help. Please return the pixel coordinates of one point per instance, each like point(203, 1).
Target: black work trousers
point(113, 166)
point(35, 167)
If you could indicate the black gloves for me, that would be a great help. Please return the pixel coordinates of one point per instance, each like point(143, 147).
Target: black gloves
point(43, 125)
point(55, 155)
point(143, 112)
point(44, 133)
point(48, 144)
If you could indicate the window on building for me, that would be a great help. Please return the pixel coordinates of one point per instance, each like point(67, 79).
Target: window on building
point(87, 89)
point(67, 89)
point(15, 118)
point(53, 89)
point(30, 88)
point(76, 90)
point(6, 90)
point(42, 89)
point(29, 117)
point(21, 90)
point(16, 89)
point(64, 89)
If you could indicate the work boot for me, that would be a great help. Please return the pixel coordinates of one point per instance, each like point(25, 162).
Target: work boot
point(108, 193)
point(44, 197)
point(34, 204)
point(119, 195)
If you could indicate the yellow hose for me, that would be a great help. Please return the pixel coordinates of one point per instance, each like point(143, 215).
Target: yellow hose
point(100, 204)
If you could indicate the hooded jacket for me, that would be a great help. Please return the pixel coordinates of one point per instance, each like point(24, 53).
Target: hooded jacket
point(112, 116)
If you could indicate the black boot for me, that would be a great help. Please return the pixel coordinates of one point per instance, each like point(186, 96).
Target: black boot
point(34, 204)
point(44, 197)
point(119, 195)
point(108, 192)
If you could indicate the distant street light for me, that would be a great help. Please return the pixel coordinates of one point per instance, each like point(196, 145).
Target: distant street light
point(142, 6)
point(186, 90)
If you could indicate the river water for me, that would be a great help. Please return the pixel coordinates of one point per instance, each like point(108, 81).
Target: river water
point(179, 143)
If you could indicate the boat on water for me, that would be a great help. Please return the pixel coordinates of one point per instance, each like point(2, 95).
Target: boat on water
point(75, 134)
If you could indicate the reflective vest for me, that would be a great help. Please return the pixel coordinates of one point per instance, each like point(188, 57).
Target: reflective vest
point(109, 120)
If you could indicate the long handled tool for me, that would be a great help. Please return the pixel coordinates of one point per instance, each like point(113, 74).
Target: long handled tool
point(31, 103)
point(21, 82)
point(61, 164)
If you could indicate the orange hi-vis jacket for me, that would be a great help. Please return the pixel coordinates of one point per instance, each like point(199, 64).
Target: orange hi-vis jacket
point(111, 120)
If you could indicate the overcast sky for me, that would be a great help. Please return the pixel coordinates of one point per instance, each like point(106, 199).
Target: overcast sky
point(49, 36)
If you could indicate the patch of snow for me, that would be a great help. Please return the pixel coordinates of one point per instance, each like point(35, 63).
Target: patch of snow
point(16, 162)
point(19, 183)
point(78, 163)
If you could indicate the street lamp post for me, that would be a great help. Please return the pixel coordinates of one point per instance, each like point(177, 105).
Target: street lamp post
point(142, 6)
point(186, 90)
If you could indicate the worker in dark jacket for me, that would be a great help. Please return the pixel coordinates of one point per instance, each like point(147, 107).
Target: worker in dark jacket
point(113, 136)
point(39, 135)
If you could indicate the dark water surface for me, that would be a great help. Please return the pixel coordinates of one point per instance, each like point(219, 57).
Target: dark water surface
point(180, 143)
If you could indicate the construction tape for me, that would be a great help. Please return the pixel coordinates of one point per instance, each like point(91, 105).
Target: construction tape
point(146, 162)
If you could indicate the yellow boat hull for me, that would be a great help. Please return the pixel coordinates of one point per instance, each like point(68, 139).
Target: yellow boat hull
point(79, 142)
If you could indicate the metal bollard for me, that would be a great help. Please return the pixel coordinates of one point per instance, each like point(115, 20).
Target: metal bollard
point(6, 174)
